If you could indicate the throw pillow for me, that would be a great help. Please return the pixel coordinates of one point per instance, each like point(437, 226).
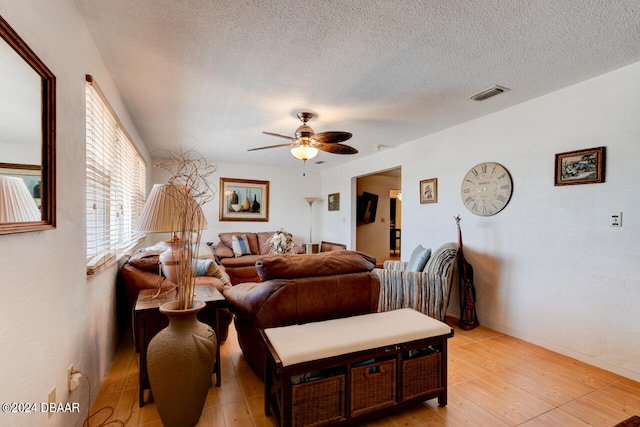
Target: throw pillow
point(418, 259)
point(240, 245)
point(208, 267)
point(281, 243)
point(146, 260)
point(202, 252)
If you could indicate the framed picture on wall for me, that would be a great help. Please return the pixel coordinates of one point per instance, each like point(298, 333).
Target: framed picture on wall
point(429, 191)
point(580, 166)
point(334, 202)
point(244, 200)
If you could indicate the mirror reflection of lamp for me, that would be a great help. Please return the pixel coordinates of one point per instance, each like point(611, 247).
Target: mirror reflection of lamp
point(16, 203)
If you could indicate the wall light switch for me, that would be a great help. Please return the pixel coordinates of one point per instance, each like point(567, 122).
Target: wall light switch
point(616, 219)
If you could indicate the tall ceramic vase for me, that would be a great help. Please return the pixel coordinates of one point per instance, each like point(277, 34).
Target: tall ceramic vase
point(180, 361)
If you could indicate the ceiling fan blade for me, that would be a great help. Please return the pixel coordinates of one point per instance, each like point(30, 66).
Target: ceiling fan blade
point(293, 138)
point(331, 137)
point(272, 146)
point(337, 149)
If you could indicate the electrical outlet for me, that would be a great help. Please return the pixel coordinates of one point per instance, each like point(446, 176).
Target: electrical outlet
point(52, 401)
point(615, 219)
point(73, 379)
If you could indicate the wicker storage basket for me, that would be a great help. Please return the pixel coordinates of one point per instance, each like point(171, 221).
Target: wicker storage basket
point(318, 402)
point(421, 375)
point(373, 386)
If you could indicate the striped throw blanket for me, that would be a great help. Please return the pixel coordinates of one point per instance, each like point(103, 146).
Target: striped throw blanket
point(427, 291)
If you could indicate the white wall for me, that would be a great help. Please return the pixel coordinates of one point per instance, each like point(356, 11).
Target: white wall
point(52, 315)
point(548, 269)
point(287, 208)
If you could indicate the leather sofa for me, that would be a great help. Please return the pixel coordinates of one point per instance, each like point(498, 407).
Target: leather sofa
point(142, 271)
point(243, 268)
point(298, 289)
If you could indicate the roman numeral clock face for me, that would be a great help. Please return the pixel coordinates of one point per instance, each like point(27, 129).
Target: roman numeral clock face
point(486, 189)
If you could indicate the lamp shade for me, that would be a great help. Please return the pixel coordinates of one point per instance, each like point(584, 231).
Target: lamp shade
point(170, 208)
point(16, 203)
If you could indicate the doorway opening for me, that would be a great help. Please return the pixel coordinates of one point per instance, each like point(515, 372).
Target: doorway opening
point(379, 214)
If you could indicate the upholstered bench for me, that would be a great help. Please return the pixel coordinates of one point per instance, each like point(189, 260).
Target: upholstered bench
point(343, 370)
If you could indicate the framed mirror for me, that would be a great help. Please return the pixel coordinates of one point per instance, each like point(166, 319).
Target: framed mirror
point(27, 137)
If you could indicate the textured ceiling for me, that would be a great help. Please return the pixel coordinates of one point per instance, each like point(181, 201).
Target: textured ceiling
point(218, 73)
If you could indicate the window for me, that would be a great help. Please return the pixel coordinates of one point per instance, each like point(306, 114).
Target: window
point(115, 186)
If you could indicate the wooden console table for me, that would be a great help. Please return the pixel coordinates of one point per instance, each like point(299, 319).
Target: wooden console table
point(342, 371)
point(148, 321)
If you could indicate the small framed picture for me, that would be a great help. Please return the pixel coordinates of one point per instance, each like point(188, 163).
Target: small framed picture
point(580, 166)
point(334, 202)
point(429, 191)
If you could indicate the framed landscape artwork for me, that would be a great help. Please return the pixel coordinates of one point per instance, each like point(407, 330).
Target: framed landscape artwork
point(334, 202)
point(244, 200)
point(429, 191)
point(580, 166)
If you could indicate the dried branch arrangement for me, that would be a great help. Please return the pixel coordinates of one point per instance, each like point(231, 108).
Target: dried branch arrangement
point(189, 189)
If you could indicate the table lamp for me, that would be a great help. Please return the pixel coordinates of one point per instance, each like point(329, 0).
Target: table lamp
point(162, 214)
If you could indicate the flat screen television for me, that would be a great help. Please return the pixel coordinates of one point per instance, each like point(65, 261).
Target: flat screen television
point(366, 208)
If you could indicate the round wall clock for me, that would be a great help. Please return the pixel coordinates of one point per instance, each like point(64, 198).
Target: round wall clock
point(486, 189)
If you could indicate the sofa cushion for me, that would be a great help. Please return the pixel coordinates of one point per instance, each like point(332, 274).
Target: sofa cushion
point(330, 246)
point(204, 252)
point(287, 266)
point(240, 245)
point(226, 238)
point(263, 241)
point(418, 259)
point(281, 242)
point(146, 260)
point(222, 251)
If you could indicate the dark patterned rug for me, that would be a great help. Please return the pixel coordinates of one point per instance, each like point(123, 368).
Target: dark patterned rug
point(631, 422)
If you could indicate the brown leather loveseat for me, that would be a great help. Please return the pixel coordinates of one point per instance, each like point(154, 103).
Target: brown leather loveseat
point(242, 267)
point(298, 288)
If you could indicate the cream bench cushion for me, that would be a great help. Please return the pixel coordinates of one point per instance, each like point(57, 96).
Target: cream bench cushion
point(318, 340)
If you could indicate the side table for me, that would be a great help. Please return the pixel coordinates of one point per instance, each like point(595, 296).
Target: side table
point(148, 321)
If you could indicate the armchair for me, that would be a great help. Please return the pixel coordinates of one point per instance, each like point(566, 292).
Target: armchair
point(427, 291)
point(330, 246)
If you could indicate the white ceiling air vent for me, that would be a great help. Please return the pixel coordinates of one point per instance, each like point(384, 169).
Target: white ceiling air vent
point(488, 93)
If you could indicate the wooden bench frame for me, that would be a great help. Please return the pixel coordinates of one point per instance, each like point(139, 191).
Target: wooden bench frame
point(278, 386)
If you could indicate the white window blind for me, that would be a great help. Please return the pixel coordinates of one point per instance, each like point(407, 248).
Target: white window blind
point(115, 183)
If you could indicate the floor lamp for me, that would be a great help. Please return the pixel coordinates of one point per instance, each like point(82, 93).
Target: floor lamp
point(311, 248)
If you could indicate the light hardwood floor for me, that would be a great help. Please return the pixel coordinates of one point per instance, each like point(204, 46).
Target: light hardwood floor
point(494, 380)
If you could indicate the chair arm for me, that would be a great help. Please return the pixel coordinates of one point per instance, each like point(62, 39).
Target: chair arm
point(394, 265)
point(426, 292)
point(246, 299)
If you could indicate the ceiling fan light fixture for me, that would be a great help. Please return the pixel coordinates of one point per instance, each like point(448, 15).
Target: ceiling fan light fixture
point(304, 152)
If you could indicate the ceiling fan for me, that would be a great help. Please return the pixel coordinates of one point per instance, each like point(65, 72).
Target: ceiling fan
point(305, 144)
